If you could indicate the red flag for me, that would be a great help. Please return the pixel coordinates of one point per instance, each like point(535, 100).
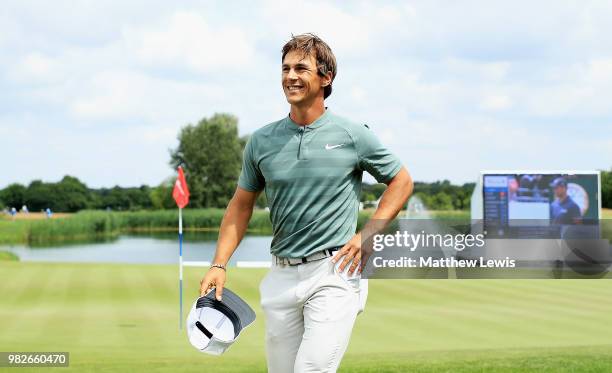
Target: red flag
point(181, 192)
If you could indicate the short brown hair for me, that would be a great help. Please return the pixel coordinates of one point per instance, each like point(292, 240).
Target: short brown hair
point(312, 45)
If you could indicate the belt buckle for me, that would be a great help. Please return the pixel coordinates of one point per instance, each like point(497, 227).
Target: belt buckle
point(282, 261)
point(310, 258)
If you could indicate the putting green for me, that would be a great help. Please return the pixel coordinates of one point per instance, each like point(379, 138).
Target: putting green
point(125, 318)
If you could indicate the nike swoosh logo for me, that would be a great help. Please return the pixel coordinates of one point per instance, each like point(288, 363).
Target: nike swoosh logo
point(330, 147)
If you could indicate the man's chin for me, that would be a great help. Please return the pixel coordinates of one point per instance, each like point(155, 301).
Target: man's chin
point(294, 100)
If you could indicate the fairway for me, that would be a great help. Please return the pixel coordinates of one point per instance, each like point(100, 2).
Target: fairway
point(125, 318)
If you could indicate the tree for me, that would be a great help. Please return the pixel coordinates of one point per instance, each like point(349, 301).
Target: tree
point(13, 195)
point(40, 195)
point(442, 201)
point(161, 195)
point(367, 197)
point(118, 199)
point(71, 195)
point(606, 189)
point(140, 198)
point(211, 154)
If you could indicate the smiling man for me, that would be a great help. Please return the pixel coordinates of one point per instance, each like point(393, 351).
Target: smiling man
point(310, 165)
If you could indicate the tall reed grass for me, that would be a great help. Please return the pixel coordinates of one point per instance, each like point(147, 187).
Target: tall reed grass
point(100, 225)
point(82, 226)
point(95, 225)
point(13, 232)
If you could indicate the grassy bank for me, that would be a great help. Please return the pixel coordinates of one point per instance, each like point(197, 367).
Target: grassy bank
point(14, 232)
point(86, 225)
point(8, 256)
point(96, 225)
point(118, 318)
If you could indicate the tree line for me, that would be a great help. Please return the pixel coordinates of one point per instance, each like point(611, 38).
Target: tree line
point(438, 195)
point(211, 154)
point(72, 195)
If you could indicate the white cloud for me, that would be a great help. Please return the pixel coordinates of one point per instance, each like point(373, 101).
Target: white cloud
point(496, 102)
point(129, 95)
point(358, 94)
point(37, 64)
point(187, 39)
point(449, 87)
point(579, 89)
point(339, 28)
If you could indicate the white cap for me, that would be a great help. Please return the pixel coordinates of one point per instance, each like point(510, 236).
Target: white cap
point(212, 325)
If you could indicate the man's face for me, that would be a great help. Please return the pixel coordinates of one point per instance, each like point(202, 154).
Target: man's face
point(300, 80)
point(560, 191)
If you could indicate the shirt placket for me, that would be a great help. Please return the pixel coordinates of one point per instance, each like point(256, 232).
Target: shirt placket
point(302, 152)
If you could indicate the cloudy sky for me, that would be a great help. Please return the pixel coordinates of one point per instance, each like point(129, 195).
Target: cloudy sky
point(100, 89)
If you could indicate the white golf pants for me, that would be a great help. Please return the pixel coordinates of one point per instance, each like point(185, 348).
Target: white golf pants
point(310, 310)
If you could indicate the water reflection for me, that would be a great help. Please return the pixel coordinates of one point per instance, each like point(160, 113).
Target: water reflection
point(190, 236)
point(157, 248)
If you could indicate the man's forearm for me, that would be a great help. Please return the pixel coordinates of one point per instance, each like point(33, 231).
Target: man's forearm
point(232, 230)
point(392, 201)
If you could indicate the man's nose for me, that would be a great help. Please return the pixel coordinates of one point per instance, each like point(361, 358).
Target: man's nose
point(292, 74)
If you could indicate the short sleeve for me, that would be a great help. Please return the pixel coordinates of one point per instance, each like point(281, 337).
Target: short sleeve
point(251, 178)
point(375, 158)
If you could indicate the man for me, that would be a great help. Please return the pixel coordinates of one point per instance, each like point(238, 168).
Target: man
point(563, 210)
point(310, 165)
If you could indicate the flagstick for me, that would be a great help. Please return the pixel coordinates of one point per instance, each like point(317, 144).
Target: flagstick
point(180, 268)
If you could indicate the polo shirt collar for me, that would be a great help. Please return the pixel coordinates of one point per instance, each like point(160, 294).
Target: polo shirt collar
point(324, 118)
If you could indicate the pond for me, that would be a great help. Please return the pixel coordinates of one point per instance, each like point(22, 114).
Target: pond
point(158, 248)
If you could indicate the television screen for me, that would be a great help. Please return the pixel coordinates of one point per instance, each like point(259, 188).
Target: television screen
point(529, 205)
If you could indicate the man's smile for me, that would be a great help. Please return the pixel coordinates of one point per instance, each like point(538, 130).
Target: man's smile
point(294, 87)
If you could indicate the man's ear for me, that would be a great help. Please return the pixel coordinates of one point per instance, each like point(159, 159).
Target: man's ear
point(327, 80)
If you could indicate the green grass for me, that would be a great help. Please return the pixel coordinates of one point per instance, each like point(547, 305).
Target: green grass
point(90, 226)
point(193, 219)
point(451, 215)
point(85, 225)
point(12, 232)
point(8, 256)
point(120, 318)
point(97, 225)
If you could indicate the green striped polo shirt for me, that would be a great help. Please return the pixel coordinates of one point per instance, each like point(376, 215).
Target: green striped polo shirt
point(312, 179)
